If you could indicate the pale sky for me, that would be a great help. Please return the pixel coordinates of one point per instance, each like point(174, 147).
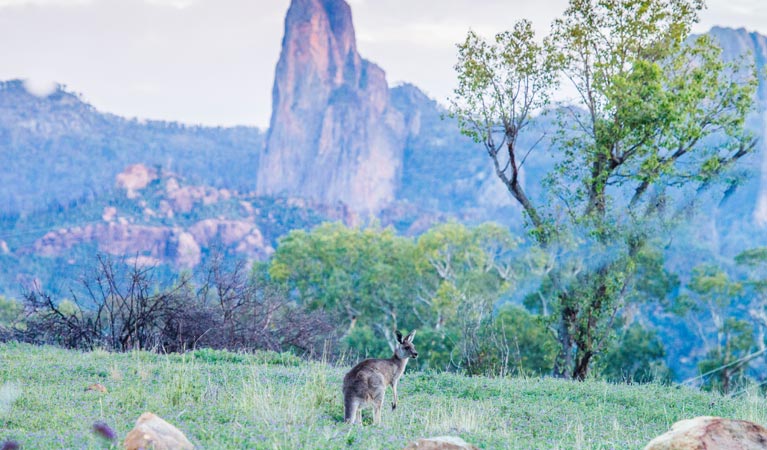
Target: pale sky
point(212, 61)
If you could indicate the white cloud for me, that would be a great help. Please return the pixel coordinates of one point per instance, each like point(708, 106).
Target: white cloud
point(40, 88)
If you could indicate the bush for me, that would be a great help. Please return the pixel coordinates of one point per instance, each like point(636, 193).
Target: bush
point(637, 356)
point(10, 312)
point(439, 349)
point(362, 342)
point(514, 342)
point(121, 308)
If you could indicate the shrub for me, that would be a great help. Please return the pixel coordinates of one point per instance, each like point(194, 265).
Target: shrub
point(636, 357)
point(121, 307)
point(513, 342)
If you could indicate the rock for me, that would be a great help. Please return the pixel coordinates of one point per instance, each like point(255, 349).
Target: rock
point(97, 387)
point(151, 432)
point(184, 198)
point(188, 252)
point(241, 235)
point(333, 135)
point(109, 213)
point(440, 443)
point(151, 245)
point(135, 178)
point(707, 433)
point(114, 238)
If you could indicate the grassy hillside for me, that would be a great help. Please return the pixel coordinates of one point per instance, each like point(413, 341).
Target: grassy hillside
point(225, 400)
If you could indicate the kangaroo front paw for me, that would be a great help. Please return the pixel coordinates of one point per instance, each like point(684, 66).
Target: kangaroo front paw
point(393, 406)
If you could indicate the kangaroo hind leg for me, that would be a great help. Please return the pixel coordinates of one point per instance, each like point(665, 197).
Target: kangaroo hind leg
point(352, 410)
point(377, 403)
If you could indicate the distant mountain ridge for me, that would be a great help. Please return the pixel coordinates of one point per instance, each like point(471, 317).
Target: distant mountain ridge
point(342, 145)
point(45, 143)
point(338, 134)
point(57, 149)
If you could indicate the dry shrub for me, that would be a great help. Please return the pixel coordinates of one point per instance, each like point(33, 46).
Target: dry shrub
point(122, 307)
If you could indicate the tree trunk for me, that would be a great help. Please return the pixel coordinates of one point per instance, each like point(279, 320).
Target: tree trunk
point(563, 365)
point(582, 366)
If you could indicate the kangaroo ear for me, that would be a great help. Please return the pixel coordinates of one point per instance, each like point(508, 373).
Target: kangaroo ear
point(399, 337)
point(410, 336)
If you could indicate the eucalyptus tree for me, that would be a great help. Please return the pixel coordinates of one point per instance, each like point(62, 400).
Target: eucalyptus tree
point(362, 276)
point(754, 261)
point(446, 283)
point(712, 305)
point(656, 121)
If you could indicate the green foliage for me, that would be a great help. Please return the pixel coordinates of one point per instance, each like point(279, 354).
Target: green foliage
point(69, 308)
point(711, 280)
point(445, 284)
point(754, 257)
point(10, 311)
point(493, 74)
point(726, 360)
point(362, 342)
point(657, 120)
point(711, 291)
point(438, 349)
point(755, 262)
point(363, 274)
point(635, 357)
point(465, 270)
point(713, 296)
point(518, 343)
point(652, 281)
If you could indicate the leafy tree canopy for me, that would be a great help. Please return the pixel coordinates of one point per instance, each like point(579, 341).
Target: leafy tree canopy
point(656, 123)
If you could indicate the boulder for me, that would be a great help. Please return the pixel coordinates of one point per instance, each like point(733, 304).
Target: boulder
point(135, 178)
point(151, 432)
point(440, 443)
point(706, 433)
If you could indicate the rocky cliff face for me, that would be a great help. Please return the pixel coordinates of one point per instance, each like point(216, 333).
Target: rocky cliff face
point(161, 220)
point(333, 135)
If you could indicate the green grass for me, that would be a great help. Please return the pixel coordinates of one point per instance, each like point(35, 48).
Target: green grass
point(226, 400)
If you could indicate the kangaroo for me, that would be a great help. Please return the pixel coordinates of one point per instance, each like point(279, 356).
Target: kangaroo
point(367, 381)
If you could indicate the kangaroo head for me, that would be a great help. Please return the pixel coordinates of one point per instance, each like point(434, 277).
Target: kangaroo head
point(405, 347)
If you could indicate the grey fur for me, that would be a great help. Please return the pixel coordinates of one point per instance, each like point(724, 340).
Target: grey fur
point(367, 381)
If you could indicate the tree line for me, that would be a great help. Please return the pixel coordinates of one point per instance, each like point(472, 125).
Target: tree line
point(479, 297)
point(655, 128)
